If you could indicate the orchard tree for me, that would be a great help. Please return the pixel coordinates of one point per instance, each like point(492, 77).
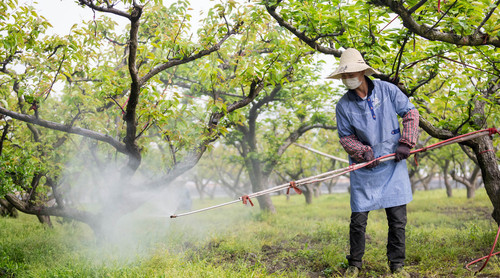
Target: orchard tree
point(23, 151)
point(446, 53)
point(262, 143)
point(288, 106)
point(116, 133)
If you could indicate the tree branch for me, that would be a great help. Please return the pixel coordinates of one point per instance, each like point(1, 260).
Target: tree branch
point(135, 87)
point(434, 131)
point(107, 9)
point(4, 135)
point(488, 15)
point(309, 41)
point(52, 211)
point(176, 62)
point(426, 31)
point(65, 128)
point(418, 5)
point(422, 82)
point(55, 77)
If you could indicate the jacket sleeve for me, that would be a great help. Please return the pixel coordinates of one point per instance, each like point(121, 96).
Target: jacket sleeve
point(354, 147)
point(409, 135)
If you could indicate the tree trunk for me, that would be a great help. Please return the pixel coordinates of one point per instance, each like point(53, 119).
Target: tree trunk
point(259, 183)
point(308, 193)
point(471, 192)
point(466, 182)
point(426, 181)
point(317, 190)
point(483, 148)
point(447, 184)
point(332, 183)
point(266, 204)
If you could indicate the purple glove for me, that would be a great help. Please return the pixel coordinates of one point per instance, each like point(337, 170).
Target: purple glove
point(368, 156)
point(402, 152)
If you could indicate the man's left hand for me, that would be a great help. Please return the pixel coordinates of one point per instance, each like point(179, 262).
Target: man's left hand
point(402, 152)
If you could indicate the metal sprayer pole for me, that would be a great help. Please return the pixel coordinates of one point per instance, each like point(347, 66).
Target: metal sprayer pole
point(204, 209)
point(342, 171)
point(322, 153)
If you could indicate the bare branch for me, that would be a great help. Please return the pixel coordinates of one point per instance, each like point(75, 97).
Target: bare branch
point(434, 131)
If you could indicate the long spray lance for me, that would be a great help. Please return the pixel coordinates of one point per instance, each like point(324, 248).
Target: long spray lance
point(338, 172)
point(322, 153)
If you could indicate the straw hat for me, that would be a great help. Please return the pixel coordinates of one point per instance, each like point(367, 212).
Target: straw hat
point(351, 61)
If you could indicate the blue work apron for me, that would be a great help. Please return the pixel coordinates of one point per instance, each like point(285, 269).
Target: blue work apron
point(374, 121)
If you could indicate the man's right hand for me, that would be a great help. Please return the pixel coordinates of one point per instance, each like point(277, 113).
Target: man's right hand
point(368, 156)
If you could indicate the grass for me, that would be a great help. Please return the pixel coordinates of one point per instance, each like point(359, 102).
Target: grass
point(443, 235)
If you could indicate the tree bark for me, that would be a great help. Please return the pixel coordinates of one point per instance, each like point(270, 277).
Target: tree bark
point(483, 148)
point(7, 209)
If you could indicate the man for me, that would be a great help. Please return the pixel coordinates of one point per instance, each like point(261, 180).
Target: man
point(368, 128)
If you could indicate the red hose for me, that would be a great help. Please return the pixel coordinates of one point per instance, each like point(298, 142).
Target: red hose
point(485, 257)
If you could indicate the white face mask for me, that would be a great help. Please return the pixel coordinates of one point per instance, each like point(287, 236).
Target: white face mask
point(351, 83)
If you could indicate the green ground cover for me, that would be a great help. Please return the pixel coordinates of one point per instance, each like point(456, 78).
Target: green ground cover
point(443, 235)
